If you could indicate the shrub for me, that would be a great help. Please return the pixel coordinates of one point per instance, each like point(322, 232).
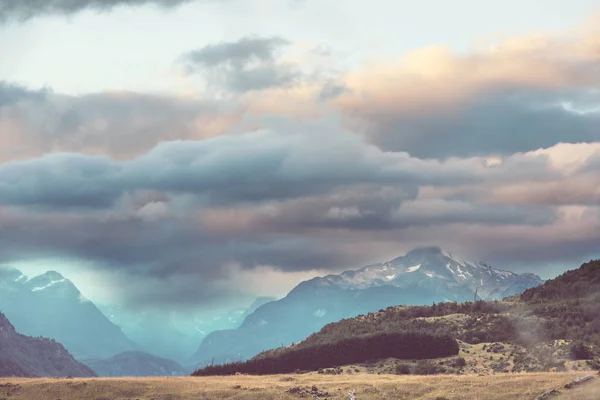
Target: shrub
point(460, 362)
point(426, 368)
point(403, 369)
point(594, 364)
point(579, 351)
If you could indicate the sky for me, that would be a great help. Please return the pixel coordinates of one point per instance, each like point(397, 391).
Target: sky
point(198, 153)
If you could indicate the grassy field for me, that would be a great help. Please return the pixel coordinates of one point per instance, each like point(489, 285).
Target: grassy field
point(489, 387)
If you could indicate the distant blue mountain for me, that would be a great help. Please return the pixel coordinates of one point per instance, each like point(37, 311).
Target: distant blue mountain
point(49, 305)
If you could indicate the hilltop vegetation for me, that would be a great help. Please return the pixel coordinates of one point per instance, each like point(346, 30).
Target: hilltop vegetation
point(574, 284)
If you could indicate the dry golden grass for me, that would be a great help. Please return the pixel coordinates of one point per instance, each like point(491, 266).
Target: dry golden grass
point(375, 387)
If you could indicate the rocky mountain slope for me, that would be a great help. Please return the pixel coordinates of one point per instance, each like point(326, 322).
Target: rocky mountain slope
point(50, 305)
point(25, 356)
point(136, 363)
point(422, 276)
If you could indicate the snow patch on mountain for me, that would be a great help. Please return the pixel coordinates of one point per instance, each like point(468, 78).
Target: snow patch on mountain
point(50, 284)
point(413, 268)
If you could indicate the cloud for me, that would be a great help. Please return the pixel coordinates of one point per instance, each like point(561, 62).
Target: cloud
point(372, 208)
point(250, 167)
point(26, 9)
point(517, 95)
point(245, 50)
point(12, 93)
point(117, 124)
point(165, 257)
point(186, 211)
point(242, 66)
point(496, 123)
point(332, 90)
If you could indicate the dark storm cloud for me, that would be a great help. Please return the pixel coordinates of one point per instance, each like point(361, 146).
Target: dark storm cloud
point(58, 181)
point(242, 168)
point(26, 9)
point(501, 122)
point(226, 169)
point(245, 65)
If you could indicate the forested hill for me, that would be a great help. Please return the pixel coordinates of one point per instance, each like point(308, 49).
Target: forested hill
point(575, 284)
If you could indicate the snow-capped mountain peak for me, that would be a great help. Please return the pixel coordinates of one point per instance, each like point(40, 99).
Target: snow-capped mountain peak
point(50, 279)
point(432, 266)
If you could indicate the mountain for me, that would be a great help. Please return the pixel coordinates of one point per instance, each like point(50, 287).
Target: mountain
point(136, 363)
point(175, 334)
point(422, 276)
point(563, 308)
point(552, 327)
point(50, 305)
point(436, 270)
point(28, 357)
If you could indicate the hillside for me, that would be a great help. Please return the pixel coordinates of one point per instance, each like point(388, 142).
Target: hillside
point(574, 284)
point(27, 356)
point(136, 363)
